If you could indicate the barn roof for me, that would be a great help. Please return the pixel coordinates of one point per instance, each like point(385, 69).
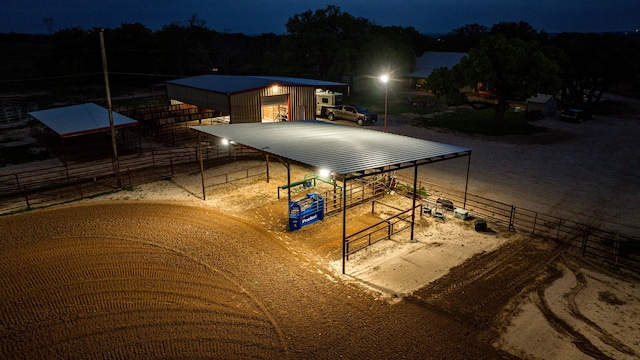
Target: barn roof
point(342, 149)
point(80, 119)
point(231, 84)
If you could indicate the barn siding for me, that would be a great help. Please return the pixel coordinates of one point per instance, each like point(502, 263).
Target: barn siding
point(245, 107)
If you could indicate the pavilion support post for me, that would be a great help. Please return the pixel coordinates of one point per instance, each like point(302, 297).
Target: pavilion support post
point(344, 224)
point(413, 206)
point(267, 164)
point(288, 185)
point(466, 185)
point(204, 195)
point(64, 158)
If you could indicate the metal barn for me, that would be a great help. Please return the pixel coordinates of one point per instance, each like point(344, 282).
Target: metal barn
point(251, 99)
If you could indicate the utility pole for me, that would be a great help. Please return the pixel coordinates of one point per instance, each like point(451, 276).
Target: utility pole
point(116, 163)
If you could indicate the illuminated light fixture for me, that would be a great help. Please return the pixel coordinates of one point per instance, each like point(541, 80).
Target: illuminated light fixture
point(275, 87)
point(225, 142)
point(324, 173)
point(385, 78)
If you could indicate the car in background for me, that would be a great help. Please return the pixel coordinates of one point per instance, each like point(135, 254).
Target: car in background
point(574, 114)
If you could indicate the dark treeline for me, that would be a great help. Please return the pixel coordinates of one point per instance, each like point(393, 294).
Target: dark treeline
point(325, 44)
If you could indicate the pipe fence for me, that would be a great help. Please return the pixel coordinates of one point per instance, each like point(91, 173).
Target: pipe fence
point(609, 246)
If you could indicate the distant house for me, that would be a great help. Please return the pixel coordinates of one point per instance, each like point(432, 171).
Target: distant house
point(542, 104)
point(430, 61)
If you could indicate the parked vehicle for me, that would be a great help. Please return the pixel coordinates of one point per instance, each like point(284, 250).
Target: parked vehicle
point(326, 99)
point(575, 115)
point(359, 114)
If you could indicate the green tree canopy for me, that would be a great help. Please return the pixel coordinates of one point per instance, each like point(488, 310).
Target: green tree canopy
point(512, 68)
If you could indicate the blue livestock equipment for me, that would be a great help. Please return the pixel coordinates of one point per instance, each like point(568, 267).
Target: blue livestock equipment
point(306, 211)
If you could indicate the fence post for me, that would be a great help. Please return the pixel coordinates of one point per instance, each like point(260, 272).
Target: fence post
point(512, 218)
point(17, 181)
point(79, 186)
point(535, 221)
point(26, 197)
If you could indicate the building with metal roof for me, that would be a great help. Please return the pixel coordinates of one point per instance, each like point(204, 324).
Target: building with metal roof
point(251, 99)
point(347, 152)
point(83, 119)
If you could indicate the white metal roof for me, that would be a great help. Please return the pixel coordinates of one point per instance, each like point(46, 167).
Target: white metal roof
point(80, 119)
point(341, 149)
point(231, 84)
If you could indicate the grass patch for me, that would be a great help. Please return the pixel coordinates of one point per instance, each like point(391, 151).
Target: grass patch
point(396, 103)
point(470, 121)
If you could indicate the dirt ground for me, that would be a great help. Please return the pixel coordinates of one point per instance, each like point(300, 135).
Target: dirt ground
point(156, 272)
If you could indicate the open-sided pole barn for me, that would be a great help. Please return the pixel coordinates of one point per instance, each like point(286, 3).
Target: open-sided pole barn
point(78, 120)
point(348, 152)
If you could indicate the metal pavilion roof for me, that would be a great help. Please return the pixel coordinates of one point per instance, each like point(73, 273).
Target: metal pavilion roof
point(80, 119)
point(231, 84)
point(342, 149)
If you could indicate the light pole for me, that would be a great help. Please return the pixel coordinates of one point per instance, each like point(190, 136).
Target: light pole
point(385, 78)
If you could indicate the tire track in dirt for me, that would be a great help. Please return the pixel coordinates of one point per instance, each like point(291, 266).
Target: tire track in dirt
point(478, 290)
point(118, 288)
point(580, 340)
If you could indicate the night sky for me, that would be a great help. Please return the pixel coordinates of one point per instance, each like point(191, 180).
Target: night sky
point(254, 17)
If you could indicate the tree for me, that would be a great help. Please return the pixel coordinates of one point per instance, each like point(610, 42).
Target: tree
point(182, 48)
point(462, 39)
point(519, 30)
point(445, 84)
point(317, 40)
point(594, 62)
point(511, 67)
point(129, 48)
point(73, 51)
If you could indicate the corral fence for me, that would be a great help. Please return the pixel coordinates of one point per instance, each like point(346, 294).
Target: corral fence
point(379, 231)
point(74, 181)
point(612, 247)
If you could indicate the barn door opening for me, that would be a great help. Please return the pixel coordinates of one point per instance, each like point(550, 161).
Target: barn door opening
point(275, 108)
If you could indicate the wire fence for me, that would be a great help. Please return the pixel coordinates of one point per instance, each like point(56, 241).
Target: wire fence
point(610, 246)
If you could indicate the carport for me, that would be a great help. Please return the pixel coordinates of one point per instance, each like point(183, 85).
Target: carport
point(348, 152)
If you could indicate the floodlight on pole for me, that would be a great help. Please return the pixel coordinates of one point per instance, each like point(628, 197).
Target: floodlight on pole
point(385, 79)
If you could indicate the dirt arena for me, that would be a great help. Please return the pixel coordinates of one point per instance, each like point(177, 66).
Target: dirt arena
point(156, 272)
